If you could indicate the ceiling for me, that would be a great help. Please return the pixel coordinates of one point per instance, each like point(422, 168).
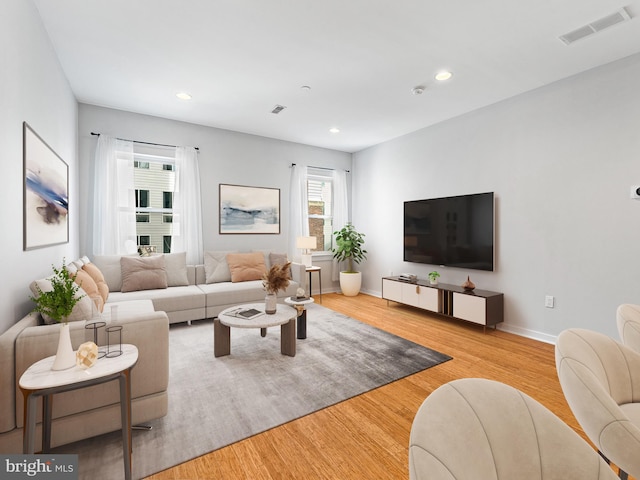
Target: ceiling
point(362, 58)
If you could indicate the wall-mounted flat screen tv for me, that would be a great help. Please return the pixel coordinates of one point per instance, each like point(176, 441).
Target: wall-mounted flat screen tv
point(451, 231)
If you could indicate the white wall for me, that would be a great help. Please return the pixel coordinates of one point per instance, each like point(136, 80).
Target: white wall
point(225, 157)
point(561, 160)
point(34, 89)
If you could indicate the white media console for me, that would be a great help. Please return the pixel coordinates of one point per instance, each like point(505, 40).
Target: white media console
point(478, 306)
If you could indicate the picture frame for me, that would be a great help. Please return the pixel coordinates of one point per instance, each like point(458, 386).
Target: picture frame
point(45, 193)
point(249, 210)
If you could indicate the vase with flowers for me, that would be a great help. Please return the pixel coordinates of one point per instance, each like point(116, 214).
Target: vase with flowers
point(276, 279)
point(57, 303)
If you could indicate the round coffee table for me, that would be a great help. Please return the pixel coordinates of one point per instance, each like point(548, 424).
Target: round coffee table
point(284, 317)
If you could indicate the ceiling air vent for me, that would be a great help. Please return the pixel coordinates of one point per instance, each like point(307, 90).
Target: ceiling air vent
point(277, 109)
point(597, 26)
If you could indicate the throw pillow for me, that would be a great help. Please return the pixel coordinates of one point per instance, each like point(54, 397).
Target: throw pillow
point(84, 280)
point(143, 273)
point(246, 266)
point(81, 311)
point(277, 259)
point(95, 273)
point(176, 265)
point(216, 268)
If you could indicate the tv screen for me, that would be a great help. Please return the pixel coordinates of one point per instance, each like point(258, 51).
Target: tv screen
point(451, 231)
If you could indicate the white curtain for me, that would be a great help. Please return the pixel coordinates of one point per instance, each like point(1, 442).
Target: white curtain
point(340, 211)
point(298, 208)
point(187, 208)
point(114, 209)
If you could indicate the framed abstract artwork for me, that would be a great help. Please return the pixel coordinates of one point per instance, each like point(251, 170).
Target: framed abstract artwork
point(46, 193)
point(254, 210)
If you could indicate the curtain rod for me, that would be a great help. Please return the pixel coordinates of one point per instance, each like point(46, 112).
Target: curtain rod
point(321, 168)
point(144, 143)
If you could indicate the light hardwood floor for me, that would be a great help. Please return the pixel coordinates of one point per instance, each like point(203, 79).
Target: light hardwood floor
point(367, 437)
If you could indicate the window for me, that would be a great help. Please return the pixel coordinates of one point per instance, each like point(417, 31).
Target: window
point(154, 195)
point(142, 198)
point(320, 195)
point(167, 199)
point(138, 164)
point(144, 240)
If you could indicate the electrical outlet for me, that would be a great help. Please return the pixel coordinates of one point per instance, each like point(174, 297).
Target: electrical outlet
point(549, 301)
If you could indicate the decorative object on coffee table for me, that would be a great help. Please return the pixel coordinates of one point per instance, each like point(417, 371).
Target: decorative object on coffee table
point(468, 284)
point(276, 279)
point(58, 304)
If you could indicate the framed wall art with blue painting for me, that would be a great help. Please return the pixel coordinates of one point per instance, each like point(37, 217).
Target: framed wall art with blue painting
point(46, 193)
point(249, 210)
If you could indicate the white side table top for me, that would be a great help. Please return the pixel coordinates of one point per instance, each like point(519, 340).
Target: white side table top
point(296, 301)
point(39, 376)
point(282, 316)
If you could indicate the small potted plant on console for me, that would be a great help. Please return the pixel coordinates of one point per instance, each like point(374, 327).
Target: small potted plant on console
point(433, 277)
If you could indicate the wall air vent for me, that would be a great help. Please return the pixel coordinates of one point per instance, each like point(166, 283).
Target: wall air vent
point(596, 26)
point(277, 109)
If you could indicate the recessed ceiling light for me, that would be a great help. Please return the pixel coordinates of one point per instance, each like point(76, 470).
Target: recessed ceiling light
point(419, 90)
point(334, 130)
point(183, 96)
point(305, 88)
point(444, 75)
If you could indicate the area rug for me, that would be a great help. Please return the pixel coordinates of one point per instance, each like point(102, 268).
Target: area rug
point(214, 402)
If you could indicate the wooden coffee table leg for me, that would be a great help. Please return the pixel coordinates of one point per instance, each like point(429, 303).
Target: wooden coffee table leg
point(288, 338)
point(221, 339)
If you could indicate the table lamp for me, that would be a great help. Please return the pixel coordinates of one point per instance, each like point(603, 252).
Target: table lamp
point(306, 243)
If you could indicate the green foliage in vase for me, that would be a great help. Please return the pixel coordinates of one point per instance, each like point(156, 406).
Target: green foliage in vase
point(349, 247)
point(58, 303)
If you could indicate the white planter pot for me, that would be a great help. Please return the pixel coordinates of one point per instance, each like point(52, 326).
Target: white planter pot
point(350, 283)
point(65, 356)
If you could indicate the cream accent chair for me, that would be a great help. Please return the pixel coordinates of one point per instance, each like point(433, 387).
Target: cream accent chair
point(628, 320)
point(477, 429)
point(600, 379)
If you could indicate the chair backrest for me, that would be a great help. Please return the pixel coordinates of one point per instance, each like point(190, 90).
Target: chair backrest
point(628, 321)
point(600, 379)
point(477, 429)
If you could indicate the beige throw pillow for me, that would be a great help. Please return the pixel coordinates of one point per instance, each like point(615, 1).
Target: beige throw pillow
point(246, 266)
point(216, 268)
point(140, 273)
point(95, 273)
point(176, 265)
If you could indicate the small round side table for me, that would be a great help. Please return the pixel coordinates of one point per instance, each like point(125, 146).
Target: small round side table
point(299, 305)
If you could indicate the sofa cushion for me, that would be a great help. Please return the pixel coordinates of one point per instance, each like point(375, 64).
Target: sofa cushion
point(216, 267)
point(97, 276)
point(246, 266)
point(84, 280)
point(143, 273)
point(81, 310)
point(277, 259)
point(109, 265)
point(176, 266)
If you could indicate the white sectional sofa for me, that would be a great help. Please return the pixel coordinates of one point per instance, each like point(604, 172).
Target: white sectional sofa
point(195, 292)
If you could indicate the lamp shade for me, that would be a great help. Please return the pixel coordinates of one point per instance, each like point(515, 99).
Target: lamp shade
point(306, 242)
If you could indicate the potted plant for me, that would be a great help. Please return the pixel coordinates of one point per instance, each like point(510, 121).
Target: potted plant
point(57, 303)
point(276, 279)
point(433, 277)
point(349, 247)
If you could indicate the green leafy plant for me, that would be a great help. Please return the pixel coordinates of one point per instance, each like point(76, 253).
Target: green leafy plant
point(349, 246)
point(433, 276)
point(58, 303)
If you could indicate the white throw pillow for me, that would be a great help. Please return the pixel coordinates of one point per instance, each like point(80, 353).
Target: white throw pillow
point(216, 268)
